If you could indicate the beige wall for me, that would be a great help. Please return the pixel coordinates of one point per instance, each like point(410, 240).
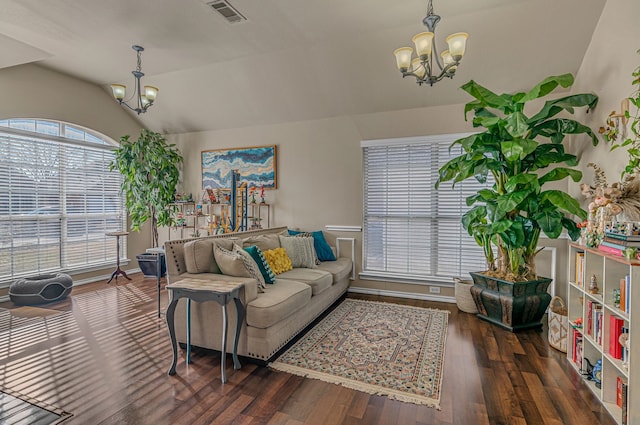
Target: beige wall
point(319, 167)
point(30, 91)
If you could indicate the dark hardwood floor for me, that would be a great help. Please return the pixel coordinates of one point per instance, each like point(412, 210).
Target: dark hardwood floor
point(103, 355)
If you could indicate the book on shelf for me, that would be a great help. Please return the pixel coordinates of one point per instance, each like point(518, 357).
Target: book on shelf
point(623, 294)
point(615, 330)
point(616, 243)
point(589, 326)
point(623, 396)
point(580, 269)
point(627, 300)
point(621, 236)
point(610, 250)
point(619, 383)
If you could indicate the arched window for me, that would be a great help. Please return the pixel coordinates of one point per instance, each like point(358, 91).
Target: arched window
point(57, 199)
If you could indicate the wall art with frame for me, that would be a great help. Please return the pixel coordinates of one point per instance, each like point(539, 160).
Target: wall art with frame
point(257, 167)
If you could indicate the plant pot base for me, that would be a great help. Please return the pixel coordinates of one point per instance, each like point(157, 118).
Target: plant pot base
point(514, 306)
point(517, 328)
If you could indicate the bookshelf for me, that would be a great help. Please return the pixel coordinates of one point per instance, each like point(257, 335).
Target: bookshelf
point(603, 320)
point(196, 217)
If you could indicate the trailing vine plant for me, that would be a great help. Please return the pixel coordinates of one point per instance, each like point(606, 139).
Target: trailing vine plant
point(632, 143)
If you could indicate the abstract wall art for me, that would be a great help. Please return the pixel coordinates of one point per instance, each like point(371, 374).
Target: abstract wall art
point(257, 167)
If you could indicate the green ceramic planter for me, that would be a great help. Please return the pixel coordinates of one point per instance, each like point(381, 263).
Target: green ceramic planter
point(514, 306)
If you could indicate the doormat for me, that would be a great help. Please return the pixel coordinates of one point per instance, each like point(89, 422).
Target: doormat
point(378, 348)
point(17, 409)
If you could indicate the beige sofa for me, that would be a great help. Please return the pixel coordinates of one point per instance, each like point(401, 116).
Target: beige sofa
point(273, 318)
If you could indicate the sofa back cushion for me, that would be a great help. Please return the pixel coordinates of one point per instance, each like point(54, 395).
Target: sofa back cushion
point(264, 242)
point(198, 255)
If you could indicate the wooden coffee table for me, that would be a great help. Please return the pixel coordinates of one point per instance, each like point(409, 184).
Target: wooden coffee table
point(201, 290)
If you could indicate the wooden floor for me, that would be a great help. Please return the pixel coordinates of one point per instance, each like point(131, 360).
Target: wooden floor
point(103, 354)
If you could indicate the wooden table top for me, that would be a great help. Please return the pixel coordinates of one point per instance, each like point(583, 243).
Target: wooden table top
point(206, 285)
point(117, 233)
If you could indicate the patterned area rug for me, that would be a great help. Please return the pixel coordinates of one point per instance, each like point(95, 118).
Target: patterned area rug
point(378, 348)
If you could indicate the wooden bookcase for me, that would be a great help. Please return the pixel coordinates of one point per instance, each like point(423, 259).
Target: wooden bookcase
point(596, 344)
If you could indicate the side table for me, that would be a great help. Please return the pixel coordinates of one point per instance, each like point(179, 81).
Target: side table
point(118, 270)
point(201, 290)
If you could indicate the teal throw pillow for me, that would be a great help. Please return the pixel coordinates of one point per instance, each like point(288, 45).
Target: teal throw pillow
point(323, 250)
point(258, 256)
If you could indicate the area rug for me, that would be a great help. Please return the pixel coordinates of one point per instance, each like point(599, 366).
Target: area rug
point(17, 409)
point(378, 348)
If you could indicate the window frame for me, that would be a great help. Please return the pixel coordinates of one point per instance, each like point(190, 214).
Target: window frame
point(471, 249)
point(92, 143)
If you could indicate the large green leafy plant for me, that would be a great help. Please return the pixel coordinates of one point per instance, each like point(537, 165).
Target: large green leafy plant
point(150, 171)
point(522, 153)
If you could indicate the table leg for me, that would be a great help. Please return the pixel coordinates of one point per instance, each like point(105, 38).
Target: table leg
point(223, 354)
point(158, 273)
point(239, 321)
point(169, 317)
point(188, 330)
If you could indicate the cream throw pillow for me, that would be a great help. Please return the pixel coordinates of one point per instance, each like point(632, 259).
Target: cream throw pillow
point(234, 263)
point(300, 250)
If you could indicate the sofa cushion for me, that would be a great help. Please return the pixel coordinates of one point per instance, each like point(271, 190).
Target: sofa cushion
point(278, 260)
point(323, 250)
point(319, 280)
point(300, 250)
point(198, 255)
point(238, 263)
point(339, 268)
point(264, 242)
point(277, 303)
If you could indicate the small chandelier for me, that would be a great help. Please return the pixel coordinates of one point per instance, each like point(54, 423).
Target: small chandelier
point(422, 67)
point(144, 101)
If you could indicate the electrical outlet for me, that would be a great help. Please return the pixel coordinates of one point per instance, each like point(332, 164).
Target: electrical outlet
point(434, 289)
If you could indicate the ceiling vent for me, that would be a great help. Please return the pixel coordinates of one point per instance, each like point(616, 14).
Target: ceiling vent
point(228, 12)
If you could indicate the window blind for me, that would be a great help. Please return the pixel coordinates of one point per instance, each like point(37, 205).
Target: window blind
point(412, 232)
point(57, 199)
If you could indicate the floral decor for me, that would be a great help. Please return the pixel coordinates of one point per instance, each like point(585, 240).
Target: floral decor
point(619, 201)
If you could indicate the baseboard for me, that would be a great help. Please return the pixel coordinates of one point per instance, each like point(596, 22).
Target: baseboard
point(398, 294)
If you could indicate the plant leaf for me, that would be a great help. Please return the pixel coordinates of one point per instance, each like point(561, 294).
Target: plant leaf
point(485, 96)
point(546, 86)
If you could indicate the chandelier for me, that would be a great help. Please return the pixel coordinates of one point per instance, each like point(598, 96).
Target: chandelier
point(422, 67)
point(144, 100)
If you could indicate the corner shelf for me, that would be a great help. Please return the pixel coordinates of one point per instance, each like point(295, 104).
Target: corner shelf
point(611, 273)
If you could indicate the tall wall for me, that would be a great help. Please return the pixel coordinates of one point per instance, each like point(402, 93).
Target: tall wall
point(606, 70)
point(30, 91)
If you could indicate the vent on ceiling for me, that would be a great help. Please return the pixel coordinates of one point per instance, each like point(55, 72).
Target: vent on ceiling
point(228, 12)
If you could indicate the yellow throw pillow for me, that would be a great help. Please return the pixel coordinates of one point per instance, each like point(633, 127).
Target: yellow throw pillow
point(278, 260)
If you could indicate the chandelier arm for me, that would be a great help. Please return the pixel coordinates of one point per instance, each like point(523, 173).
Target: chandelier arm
point(435, 53)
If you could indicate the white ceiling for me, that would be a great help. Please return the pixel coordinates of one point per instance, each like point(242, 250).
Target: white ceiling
point(293, 59)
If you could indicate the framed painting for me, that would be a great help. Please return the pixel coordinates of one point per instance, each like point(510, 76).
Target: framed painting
point(256, 165)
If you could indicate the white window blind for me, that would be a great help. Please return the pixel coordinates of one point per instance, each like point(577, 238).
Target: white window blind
point(57, 199)
point(412, 232)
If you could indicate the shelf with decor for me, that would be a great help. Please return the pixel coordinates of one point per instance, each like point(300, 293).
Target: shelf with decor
point(203, 219)
point(602, 322)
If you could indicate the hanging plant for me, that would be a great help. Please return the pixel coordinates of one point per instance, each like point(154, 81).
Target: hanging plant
point(632, 143)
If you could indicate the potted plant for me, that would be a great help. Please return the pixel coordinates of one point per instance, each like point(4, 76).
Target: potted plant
point(522, 153)
point(150, 171)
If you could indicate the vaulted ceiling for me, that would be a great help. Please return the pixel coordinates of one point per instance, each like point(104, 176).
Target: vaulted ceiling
point(291, 60)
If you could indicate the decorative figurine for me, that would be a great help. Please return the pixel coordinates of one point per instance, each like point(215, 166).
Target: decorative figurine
point(262, 200)
point(593, 285)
